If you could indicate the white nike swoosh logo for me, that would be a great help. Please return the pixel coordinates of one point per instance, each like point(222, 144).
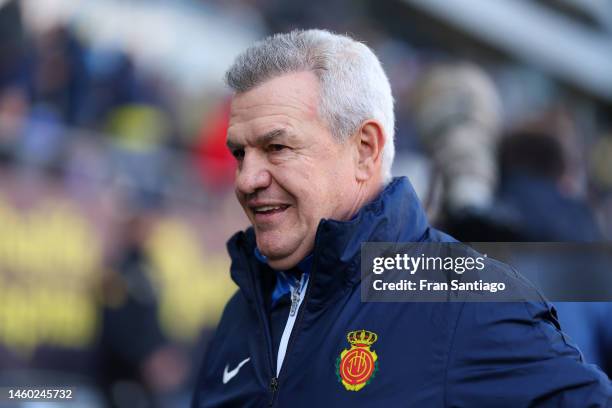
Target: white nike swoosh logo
point(228, 375)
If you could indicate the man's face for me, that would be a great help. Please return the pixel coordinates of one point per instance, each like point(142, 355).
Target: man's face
point(291, 171)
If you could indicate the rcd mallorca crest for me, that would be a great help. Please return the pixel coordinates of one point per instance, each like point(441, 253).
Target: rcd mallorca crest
point(357, 366)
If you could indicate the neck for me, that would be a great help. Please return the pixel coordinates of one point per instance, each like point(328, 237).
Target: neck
point(365, 193)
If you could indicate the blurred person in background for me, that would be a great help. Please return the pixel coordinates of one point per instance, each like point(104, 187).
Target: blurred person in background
point(457, 113)
point(106, 343)
point(139, 365)
point(56, 75)
point(311, 128)
point(511, 187)
point(533, 167)
point(600, 170)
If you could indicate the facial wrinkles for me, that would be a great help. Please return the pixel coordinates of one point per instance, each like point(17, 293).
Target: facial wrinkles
point(359, 197)
point(254, 109)
point(250, 132)
point(307, 150)
point(249, 106)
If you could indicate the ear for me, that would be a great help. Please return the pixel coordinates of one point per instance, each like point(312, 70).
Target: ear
point(370, 140)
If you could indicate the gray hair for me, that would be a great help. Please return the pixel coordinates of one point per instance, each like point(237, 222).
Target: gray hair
point(354, 86)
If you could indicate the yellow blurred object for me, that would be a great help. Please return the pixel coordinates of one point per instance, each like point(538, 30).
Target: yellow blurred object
point(49, 259)
point(194, 286)
point(138, 127)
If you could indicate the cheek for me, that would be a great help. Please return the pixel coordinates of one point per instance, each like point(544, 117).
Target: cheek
point(308, 200)
point(322, 201)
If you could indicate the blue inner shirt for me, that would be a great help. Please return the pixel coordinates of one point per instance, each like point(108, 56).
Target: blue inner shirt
point(285, 281)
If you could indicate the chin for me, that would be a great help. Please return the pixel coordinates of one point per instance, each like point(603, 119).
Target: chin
point(273, 250)
point(283, 263)
point(284, 251)
point(279, 257)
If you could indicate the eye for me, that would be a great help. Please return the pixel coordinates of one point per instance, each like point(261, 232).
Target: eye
point(238, 153)
point(276, 147)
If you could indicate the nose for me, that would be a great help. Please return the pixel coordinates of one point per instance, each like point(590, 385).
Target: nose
point(252, 174)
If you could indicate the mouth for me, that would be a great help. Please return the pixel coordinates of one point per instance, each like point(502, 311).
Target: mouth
point(268, 213)
point(269, 209)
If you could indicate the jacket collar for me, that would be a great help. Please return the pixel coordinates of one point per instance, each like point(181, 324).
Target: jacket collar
point(394, 216)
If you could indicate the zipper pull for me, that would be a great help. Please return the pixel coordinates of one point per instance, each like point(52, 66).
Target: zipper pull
point(274, 384)
point(296, 292)
point(273, 389)
point(295, 300)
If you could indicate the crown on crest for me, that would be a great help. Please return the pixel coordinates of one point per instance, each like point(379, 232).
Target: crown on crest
point(361, 338)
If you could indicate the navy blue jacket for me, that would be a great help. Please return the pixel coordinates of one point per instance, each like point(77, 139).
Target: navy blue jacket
point(428, 354)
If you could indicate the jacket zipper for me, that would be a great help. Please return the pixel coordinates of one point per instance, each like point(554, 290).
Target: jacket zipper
point(295, 330)
point(296, 300)
point(263, 320)
point(274, 383)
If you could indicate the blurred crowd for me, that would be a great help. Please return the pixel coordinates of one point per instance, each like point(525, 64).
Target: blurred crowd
point(116, 185)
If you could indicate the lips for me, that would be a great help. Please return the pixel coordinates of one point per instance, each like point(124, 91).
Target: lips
point(267, 214)
point(269, 209)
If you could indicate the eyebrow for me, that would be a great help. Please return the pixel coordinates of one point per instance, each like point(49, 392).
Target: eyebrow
point(266, 138)
point(271, 136)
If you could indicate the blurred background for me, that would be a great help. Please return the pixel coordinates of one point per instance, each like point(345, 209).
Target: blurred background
point(116, 187)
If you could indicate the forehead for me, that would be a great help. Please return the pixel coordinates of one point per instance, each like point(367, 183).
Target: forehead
point(286, 101)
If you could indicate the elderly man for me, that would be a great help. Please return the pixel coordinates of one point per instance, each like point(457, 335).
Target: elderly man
point(312, 131)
